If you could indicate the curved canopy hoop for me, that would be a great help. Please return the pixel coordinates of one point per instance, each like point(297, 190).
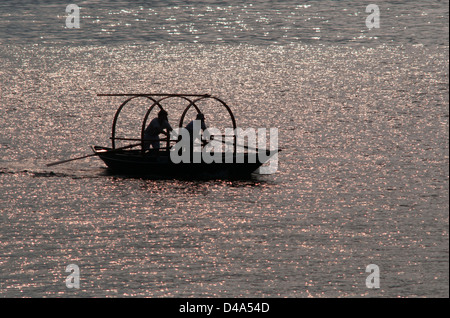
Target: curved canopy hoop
point(233, 120)
point(193, 103)
point(116, 116)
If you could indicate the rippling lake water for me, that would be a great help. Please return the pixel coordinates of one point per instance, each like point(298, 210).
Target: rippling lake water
point(362, 179)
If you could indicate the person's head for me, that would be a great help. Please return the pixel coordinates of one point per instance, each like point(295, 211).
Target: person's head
point(162, 115)
point(200, 116)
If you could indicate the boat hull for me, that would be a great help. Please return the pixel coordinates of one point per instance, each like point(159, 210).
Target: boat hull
point(160, 165)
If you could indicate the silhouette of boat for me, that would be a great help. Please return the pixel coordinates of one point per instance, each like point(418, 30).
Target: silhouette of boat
point(158, 163)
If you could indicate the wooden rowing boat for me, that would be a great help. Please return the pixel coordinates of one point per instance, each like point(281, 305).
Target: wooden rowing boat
point(137, 159)
point(132, 162)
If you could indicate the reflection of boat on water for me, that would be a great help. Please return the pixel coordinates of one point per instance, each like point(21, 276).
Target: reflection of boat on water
point(137, 159)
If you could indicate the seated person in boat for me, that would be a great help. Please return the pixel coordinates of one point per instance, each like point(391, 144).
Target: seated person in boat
point(157, 126)
point(199, 123)
point(190, 127)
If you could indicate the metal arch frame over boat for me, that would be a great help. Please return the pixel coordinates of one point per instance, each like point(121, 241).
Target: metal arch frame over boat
point(158, 103)
point(158, 164)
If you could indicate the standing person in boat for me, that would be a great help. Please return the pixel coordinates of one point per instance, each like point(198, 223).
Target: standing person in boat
point(157, 126)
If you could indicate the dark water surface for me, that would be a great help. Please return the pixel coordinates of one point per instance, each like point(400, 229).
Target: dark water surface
point(362, 118)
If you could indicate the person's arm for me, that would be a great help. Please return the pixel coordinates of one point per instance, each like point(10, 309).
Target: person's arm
point(166, 126)
point(207, 135)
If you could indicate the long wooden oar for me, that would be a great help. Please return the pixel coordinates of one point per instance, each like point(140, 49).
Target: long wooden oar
point(91, 155)
point(243, 146)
